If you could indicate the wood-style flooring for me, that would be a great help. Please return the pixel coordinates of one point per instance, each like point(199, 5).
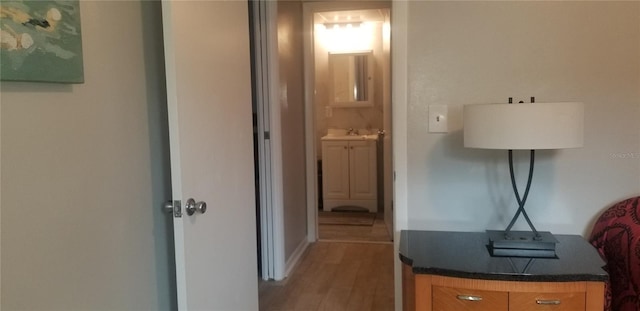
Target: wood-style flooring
point(347, 233)
point(335, 276)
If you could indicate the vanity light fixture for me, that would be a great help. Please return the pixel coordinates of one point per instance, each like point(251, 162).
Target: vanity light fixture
point(339, 25)
point(523, 126)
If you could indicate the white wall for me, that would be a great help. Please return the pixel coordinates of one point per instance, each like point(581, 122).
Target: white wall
point(84, 173)
point(292, 124)
point(481, 52)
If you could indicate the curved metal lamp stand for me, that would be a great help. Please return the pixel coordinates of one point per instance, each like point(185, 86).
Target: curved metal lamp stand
point(522, 201)
point(532, 243)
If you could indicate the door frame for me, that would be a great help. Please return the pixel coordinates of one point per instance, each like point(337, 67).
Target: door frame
point(399, 99)
point(309, 8)
point(265, 55)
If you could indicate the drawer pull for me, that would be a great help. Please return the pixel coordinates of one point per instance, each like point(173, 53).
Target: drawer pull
point(548, 302)
point(469, 298)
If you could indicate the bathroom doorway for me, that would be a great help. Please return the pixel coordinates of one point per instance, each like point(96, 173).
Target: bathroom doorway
point(348, 95)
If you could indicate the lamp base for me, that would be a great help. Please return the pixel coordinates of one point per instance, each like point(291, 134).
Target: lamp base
point(522, 244)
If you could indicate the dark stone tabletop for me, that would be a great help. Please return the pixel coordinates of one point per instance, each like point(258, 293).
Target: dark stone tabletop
point(465, 255)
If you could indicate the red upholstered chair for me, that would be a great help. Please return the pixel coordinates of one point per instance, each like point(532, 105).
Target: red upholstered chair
point(616, 235)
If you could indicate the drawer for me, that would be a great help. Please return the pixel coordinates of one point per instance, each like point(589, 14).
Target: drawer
point(546, 301)
point(456, 299)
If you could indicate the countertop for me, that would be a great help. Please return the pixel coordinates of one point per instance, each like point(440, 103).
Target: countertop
point(350, 137)
point(465, 255)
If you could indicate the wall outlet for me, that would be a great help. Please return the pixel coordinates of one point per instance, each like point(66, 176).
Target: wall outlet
point(438, 119)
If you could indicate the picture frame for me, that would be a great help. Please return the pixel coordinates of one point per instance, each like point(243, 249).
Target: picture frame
point(41, 41)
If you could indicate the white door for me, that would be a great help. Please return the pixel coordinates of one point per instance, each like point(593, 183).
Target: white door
point(210, 124)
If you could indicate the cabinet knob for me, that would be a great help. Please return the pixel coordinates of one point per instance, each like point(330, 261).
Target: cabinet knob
point(469, 298)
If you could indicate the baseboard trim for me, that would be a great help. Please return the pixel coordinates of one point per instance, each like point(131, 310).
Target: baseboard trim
point(295, 257)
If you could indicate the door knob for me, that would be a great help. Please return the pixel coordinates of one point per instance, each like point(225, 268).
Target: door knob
point(191, 207)
point(173, 207)
point(201, 207)
point(168, 207)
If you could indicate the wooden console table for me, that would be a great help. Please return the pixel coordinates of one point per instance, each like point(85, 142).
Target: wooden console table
point(445, 271)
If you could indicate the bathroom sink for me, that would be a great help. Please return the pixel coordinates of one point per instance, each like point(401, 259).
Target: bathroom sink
point(358, 134)
point(351, 137)
point(336, 132)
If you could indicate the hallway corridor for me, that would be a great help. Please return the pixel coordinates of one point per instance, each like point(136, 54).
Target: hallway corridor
point(335, 276)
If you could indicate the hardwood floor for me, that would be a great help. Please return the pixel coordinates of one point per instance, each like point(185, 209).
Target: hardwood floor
point(335, 276)
point(376, 233)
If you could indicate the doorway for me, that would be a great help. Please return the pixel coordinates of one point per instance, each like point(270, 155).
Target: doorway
point(347, 73)
point(289, 197)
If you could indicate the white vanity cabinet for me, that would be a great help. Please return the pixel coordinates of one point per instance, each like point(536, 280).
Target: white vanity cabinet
point(349, 173)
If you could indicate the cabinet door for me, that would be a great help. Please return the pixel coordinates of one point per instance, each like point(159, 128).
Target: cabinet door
point(362, 170)
point(456, 299)
point(546, 301)
point(335, 169)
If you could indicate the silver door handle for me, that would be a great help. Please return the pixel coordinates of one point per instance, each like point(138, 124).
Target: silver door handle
point(201, 207)
point(168, 207)
point(548, 302)
point(173, 207)
point(191, 207)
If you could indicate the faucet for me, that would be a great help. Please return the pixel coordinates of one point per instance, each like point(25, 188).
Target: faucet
point(351, 131)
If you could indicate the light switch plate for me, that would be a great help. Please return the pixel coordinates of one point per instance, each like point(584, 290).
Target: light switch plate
point(438, 119)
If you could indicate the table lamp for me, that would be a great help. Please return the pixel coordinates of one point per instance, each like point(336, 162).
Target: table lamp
point(523, 126)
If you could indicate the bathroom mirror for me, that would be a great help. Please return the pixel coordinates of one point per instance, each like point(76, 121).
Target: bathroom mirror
point(351, 79)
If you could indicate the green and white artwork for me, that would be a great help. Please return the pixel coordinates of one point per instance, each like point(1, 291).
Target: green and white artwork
point(40, 41)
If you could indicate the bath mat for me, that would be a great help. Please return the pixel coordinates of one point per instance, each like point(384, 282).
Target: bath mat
point(346, 218)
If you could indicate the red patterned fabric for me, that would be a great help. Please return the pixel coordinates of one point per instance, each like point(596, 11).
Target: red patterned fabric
point(616, 235)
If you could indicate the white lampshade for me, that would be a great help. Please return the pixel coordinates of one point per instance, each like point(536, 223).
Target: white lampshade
point(524, 126)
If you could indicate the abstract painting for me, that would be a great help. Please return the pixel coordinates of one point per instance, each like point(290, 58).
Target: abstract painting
point(41, 41)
